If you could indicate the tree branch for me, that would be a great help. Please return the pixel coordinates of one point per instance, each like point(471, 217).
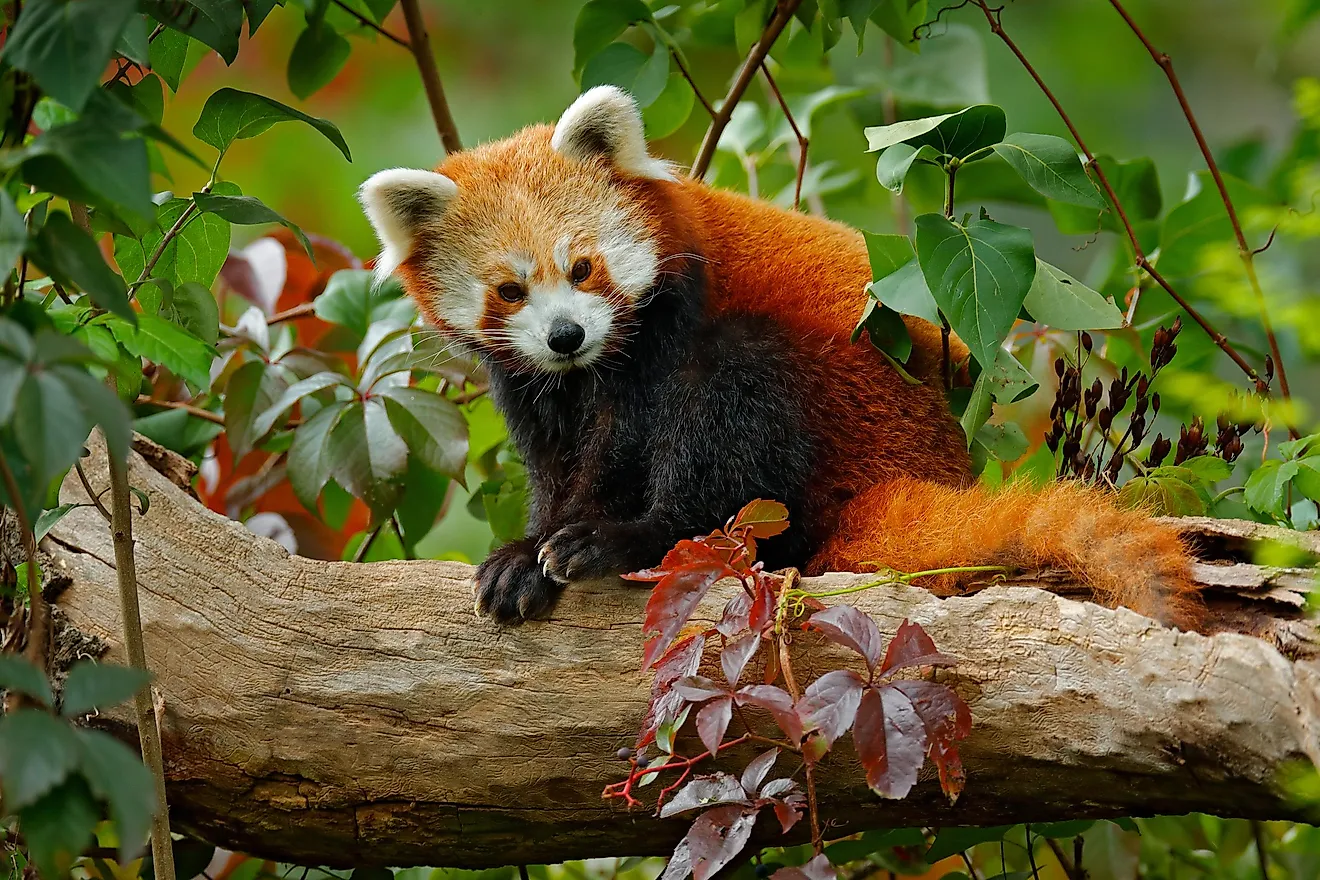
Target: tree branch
point(420, 44)
point(784, 10)
point(802, 142)
point(366, 22)
point(321, 712)
point(1244, 250)
point(992, 16)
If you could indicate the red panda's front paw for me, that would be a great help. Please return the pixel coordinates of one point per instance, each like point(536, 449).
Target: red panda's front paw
point(511, 586)
point(585, 550)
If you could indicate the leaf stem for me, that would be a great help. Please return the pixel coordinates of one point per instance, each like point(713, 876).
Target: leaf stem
point(365, 547)
point(121, 526)
point(195, 411)
point(992, 16)
point(38, 628)
point(420, 44)
point(366, 22)
point(971, 870)
point(784, 10)
point(1064, 862)
point(802, 142)
point(1262, 854)
point(902, 578)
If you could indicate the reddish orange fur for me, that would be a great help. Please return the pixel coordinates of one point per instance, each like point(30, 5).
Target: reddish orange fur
point(895, 482)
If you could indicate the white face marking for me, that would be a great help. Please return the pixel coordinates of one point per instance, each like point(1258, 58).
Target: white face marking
point(629, 255)
point(522, 265)
point(561, 252)
point(530, 326)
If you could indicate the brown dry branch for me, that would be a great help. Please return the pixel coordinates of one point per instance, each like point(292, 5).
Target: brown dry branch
point(784, 10)
point(355, 714)
point(1245, 251)
point(802, 142)
point(419, 42)
point(992, 16)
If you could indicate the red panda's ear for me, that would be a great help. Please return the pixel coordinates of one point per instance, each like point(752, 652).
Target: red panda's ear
point(400, 202)
point(605, 121)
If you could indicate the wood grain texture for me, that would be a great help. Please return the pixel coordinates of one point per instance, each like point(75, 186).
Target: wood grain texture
point(332, 713)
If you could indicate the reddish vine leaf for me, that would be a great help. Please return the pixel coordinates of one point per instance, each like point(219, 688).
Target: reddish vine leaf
point(778, 703)
point(763, 605)
point(890, 741)
point(734, 657)
point(786, 799)
point(912, 647)
point(706, 791)
point(757, 770)
point(698, 689)
point(717, 836)
point(818, 868)
point(686, 575)
point(682, 660)
point(845, 625)
point(947, 719)
point(762, 519)
point(736, 615)
point(830, 703)
point(713, 721)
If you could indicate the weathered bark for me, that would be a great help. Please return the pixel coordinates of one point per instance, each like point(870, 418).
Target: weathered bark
point(333, 713)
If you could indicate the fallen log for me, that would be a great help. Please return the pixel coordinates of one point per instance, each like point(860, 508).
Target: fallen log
point(361, 714)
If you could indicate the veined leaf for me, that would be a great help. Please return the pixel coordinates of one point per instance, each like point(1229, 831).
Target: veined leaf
point(231, 115)
point(599, 22)
point(1050, 166)
point(1064, 303)
point(65, 45)
point(169, 345)
point(957, 134)
point(248, 211)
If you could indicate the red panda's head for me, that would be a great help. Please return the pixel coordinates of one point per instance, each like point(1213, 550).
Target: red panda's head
point(538, 248)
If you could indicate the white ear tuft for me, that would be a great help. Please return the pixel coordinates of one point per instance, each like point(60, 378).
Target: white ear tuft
point(399, 202)
point(604, 121)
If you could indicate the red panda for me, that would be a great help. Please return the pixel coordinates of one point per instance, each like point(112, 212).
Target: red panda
point(664, 352)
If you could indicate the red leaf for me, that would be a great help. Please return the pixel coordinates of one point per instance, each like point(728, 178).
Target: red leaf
point(777, 702)
point(705, 791)
point(890, 740)
point(763, 606)
point(735, 655)
point(851, 628)
point(682, 660)
point(830, 703)
point(818, 868)
point(735, 614)
point(717, 836)
point(698, 688)
point(713, 721)
point(756, 771)
point(913, 647)
point(788, 812)
point(947, 719)
point(763, 519)
point(676, 596)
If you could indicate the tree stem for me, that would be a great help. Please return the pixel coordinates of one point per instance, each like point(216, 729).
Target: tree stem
point(121, 526)
point(420, 44)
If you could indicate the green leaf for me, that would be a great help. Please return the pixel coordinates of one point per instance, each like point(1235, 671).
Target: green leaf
point(257, 10)
point(146, 98)
point(671, 108)
point(900, 19)
point(317, 57)
point(1209, 469)
point(979, 275)
point(66, 45)
point(13, 233)
point(366, 456)
point(892, 168)
point(1006, 442)
point(98, 403)
point(117, 776)
point(906, 292)
point(37, 751)
point(309, 466)
point(71, 257)
point(170, 54)
point(49, 435)
point(599, 22)
point(133, 41)
point(231, 115)
point(248, 211)
point(1064, 303)
point(627, 67)
point(17, 674)
point(59, 827)
point(1137, 185)
point(93, 685)
point(1050, 166)
point(957, 134)
point(432, 426)
point(887, 253)
point(193, 307)
point(46, 522)
point(1265, 488)
point(1200, 222)
point(951, 841)
point(353, 300)
point(90, 161)
point(169, 345)
point(886, 330)
point(217, 23)
point(267, 418)
point(1163, 491)
point(252, 390)
point(195, 254)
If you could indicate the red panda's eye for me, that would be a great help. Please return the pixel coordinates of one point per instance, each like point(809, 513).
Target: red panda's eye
point(581, 271)
point(511, 292)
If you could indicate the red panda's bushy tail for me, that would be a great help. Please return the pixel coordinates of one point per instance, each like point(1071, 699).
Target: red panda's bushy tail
point(1123, 555)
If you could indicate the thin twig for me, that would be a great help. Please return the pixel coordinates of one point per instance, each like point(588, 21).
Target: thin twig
point(169, 236)
point(38, 628)
point(365, 547)
point(291, 314)
point(420, 44)
point(1244, 250)
point(371, 24)
point(992, 17)
point(687, 75)
point(1262, 854)
point(91, 493)
point(121, 526)
point(1064, 862)
point(971, 870)
point(1031, 856)
point(191, 410)
point(802, 141)
point(783, 12)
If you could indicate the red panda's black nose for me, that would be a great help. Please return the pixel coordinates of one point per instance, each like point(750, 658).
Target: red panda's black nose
point(565, 336)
